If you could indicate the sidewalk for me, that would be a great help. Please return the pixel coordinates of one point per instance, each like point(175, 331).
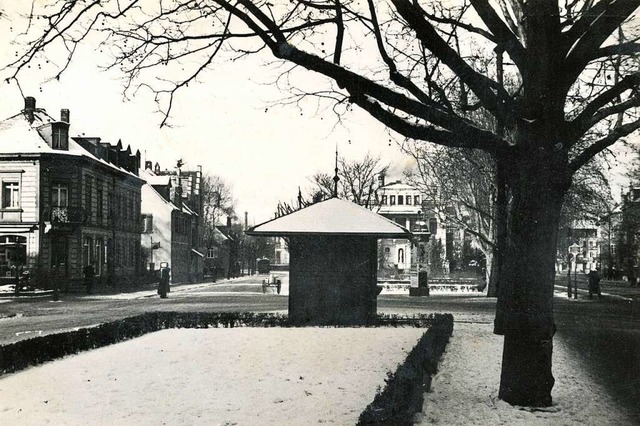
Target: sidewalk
point(118, 292)
point(465, 389)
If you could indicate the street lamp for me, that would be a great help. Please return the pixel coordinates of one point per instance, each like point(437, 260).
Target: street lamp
point(422, 234)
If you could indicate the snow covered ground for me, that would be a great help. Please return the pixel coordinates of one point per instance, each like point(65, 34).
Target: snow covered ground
point(243, 376)
point(465, 389)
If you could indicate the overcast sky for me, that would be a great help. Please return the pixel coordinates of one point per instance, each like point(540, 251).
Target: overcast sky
point(221, 123)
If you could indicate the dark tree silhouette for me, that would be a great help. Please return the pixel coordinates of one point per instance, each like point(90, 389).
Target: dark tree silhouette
point(417, 66)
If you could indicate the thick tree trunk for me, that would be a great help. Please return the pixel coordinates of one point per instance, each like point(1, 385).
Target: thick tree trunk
point(500, 226)
point(524, 312)
point(492, 276)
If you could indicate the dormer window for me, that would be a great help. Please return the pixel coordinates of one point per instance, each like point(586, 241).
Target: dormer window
point(60, 136)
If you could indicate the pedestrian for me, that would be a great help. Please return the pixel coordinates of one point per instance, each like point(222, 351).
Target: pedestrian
point(163, 285)
point(594, 283)
point(89, 274)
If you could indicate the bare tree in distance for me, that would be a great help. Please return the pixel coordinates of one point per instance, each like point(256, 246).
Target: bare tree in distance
point(217, 204)
point(358, 183)
point(461, 185)
point(427, 63)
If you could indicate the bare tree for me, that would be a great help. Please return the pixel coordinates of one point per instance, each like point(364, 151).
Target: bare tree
point(422, 71)
point(217, 203)
point(461, 185)
point(360, 177)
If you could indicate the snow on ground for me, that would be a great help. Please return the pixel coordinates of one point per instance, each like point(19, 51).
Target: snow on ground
point(465, 389)
point(244, 376)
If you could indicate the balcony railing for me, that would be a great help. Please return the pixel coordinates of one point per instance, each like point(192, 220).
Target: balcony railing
point(65, 215)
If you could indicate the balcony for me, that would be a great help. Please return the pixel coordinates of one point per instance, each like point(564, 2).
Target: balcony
point(64, 217)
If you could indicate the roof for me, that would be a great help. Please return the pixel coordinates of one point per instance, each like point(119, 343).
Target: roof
point(397, 185)
point(154, 179)
point(332, 217)
point(18, 136)
point(149, 193)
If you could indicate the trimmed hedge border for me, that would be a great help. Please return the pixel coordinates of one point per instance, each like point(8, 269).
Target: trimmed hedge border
point(403, 395)
point(25, 353)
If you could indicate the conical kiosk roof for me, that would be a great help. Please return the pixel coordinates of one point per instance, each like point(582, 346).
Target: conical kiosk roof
point(331, 217)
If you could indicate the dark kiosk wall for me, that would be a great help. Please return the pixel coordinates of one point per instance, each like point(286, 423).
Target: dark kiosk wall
point(332, 280)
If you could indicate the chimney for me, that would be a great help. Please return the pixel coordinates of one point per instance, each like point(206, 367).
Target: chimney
point(64, 115)
point(148, 165)
point(29, 107)
point(246, 220)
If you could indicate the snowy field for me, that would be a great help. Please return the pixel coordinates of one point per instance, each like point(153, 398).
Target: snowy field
point(243, 376)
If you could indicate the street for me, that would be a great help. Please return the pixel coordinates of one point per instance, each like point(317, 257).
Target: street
point(604, 333)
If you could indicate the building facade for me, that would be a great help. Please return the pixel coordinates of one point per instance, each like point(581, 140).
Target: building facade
point(405, 205)
point(66, 202)
point(172, 230)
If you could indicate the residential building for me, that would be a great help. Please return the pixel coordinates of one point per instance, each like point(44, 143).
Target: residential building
point(585, 247)
point(66, 202)
point(173, 231)
point(281, 252)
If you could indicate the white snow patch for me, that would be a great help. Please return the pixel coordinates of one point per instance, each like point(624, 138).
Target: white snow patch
point(258, 376)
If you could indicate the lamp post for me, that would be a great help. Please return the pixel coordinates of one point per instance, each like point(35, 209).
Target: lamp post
point(421, 231)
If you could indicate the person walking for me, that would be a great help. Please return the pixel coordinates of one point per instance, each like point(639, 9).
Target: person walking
point(594, 283)
point(89, 276)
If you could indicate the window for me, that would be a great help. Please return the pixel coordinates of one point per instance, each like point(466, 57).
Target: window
point(88, 251)
point(59, 195)
point(10, 195)
point(147, 223)
point(88, 202)
point(59, 137)
point(400, 255)
point(384, 200)
point(99, 205)
point(433, 225)
point(416, 199)
point(400, 200)
point(212, 252)
point(408, 200)
point(392, 200)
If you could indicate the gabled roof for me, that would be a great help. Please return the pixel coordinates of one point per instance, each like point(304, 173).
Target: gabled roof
point(331, 217)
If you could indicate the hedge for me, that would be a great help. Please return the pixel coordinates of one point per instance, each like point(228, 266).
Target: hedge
point(403, 395)
point(37, 350)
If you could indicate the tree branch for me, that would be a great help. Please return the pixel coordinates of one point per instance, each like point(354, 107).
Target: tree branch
point(591, 151)
point(493, 98)
point(594, 27)
point(588, 117)
point(503, 35)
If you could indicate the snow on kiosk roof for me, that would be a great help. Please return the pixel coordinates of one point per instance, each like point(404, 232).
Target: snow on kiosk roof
point(331, 217)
